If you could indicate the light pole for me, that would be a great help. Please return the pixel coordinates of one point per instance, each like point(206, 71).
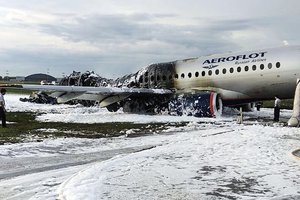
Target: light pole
point(7, 73)
point(47, 75)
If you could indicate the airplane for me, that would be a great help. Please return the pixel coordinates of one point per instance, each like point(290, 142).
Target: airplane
point(198, 86)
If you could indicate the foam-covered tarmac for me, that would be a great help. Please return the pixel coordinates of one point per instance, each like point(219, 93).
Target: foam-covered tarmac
point(206, 158)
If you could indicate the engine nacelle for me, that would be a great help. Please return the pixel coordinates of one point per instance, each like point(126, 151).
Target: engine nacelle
point(205, 104)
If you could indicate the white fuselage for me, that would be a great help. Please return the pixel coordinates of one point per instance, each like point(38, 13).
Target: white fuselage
point(252, 75)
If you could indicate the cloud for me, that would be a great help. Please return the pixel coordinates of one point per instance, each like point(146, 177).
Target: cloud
point(115, 32)
point(118, 37)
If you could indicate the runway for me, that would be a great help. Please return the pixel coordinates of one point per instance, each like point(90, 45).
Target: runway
point(203, 159)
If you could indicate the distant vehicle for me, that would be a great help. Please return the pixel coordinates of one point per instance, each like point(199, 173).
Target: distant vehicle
point(44, 82)
point(196, 86)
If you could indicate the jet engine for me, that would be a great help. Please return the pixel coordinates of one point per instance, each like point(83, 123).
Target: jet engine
point(204, 104)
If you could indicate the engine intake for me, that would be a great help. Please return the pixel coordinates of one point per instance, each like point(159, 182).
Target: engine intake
point(205, 104)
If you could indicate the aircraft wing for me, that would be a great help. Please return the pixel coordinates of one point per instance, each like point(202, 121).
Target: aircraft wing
point(96, 90)
point(104, 95)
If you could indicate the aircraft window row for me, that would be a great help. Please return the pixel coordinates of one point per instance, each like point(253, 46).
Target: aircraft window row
point(209, 72)
point(231, 70)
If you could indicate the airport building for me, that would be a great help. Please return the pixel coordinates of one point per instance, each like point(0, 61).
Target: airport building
point(40, 77)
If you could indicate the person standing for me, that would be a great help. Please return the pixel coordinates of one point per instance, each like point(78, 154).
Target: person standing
point(276, 109)
point(2, 107)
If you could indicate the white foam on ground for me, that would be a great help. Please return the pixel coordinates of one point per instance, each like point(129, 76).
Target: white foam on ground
point(219, 160)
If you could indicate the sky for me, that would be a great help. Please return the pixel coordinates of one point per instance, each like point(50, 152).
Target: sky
point(118, 37)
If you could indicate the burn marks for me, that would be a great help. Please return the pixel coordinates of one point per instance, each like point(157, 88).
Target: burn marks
point(158, 75)
point(88, 78)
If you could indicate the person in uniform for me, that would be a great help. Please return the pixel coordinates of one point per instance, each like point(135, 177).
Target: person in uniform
point(2, 107)
point(276, 109)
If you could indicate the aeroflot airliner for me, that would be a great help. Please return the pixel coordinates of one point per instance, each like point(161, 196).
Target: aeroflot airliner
point(197, 86)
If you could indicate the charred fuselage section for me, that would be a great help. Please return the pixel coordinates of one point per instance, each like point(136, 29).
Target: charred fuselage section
point(89, 78)
point(160, 75)
point(154, 76)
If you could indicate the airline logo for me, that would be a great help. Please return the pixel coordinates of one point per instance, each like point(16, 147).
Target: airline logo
point(212, 63)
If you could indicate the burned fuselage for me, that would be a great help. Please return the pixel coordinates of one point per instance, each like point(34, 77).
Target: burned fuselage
point(153, 76)
point(156, 76)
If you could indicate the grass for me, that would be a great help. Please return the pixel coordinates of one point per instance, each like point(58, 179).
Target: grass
point(285, 104)
point(11, 90)
point(26, 128)
point(18, 91)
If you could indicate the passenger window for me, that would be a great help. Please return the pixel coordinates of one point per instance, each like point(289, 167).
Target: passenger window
point(170, 77)
point(209, 72)
point(217, 72)
point(246, 68)
point(278, 64)
point(239, 69)
point(231, 70)
point(270, 65)
point(146, 79)
point(254, 67)
point(152, 78)
point(164, 78)
point(262, 66)
point(182, 75)
point(224, 71)
point(190, 75)
point(197, 74)
point(203, 73)
point(176, 76)
point(141, 79)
